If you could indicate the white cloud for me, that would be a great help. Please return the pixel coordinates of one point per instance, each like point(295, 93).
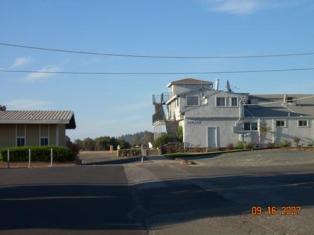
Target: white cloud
point(20, 61)
point(27, 104)
point(43, 73)
point(245, 7)
point(239, 6)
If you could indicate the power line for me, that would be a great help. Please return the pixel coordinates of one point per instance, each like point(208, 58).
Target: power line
point(155, 56)
point(158, 73)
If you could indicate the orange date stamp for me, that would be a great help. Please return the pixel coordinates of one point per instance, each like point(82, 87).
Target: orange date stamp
point(275, 210)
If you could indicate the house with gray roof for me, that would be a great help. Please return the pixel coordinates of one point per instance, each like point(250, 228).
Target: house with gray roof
point(212, 117)
point(34, 128)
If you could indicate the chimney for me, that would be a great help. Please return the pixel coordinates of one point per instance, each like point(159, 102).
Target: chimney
point(217, 84)
point(228, 87)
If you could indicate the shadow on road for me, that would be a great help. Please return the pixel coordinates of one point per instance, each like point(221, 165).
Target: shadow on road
point(148, 205)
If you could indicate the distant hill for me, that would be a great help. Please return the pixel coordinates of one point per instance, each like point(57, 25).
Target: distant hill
point(139, 138)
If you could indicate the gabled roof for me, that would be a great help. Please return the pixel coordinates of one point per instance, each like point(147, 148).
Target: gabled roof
point(38, 117)
point(189, 81)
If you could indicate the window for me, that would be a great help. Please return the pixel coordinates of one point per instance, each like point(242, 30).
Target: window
point(220, 101)
point(280, 123)
point(20, 141)
point(234, 101)
point(303, 123)
point(254, 126)
point(250, 126)
point(192, 100)
point(247, 126)
point(44, 141)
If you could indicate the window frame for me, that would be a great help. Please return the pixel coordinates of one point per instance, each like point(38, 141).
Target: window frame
point(250, 126)
point(281, 120)
point(20, 138)
point(198, 100)
point(237, 103)
point(44, 138)
point(303, 120)
point(221, 97)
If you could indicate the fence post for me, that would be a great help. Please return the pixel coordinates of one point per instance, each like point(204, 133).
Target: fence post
point(29, 157)
point(51, 157)
point(8, 158)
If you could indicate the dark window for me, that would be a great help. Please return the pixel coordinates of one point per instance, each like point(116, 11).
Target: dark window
point(303, 123)
point(192, 100)
point(220, 101)
point(234, 101)
point(20, 141)
point(43, 141)
point(280, 123)
point(250, 126)
point(247, 126)
point(254, 126)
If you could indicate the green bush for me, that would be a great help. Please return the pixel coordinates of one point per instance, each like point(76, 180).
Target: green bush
point(240, 145)
point(20, 154)
point(285, 143)
point(161, 140)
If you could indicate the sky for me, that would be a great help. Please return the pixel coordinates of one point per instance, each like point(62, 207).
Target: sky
point(120, 104)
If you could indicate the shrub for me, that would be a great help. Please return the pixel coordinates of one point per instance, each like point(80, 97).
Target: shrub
point(179, 133)
point(271, 145)
point(174, 147)
point(248, 146)
point(129, 152)
point(161, 140)
point(285, 143)
point(20, 154)
point(240, 145)
point(230, 146)
point(296, 140)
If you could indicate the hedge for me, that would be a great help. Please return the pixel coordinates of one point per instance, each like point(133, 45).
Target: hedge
point(20, 154)
point(129, 152)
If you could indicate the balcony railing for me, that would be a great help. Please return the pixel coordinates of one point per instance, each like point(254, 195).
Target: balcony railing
point(161, 99)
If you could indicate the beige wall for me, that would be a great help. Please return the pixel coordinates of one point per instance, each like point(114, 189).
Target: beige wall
point(7, 135)
point(32, 133)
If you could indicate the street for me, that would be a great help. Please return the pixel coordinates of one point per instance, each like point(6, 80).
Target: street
point(157, 197)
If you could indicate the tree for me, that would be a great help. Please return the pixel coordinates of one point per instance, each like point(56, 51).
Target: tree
point(148, 137)
point(79, 143)
point(102, 143)
point(123, 144)
point(180, 133)
point(137, 140)
point(72, 146)
point(161, 140)
point(89, 144)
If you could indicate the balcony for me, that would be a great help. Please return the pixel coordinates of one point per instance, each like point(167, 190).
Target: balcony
point(161, 99)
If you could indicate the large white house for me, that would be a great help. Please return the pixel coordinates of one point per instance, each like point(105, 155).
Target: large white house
point(211, 117)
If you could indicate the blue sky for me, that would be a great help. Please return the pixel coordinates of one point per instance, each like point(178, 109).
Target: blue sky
point(114, 105)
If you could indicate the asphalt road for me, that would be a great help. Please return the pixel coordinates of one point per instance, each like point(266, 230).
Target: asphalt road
point(160, 197)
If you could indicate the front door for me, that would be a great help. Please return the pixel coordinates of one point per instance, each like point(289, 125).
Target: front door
point(212, 137)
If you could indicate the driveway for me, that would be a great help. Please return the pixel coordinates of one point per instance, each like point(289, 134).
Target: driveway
point(157, 197)
point(257, 158)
